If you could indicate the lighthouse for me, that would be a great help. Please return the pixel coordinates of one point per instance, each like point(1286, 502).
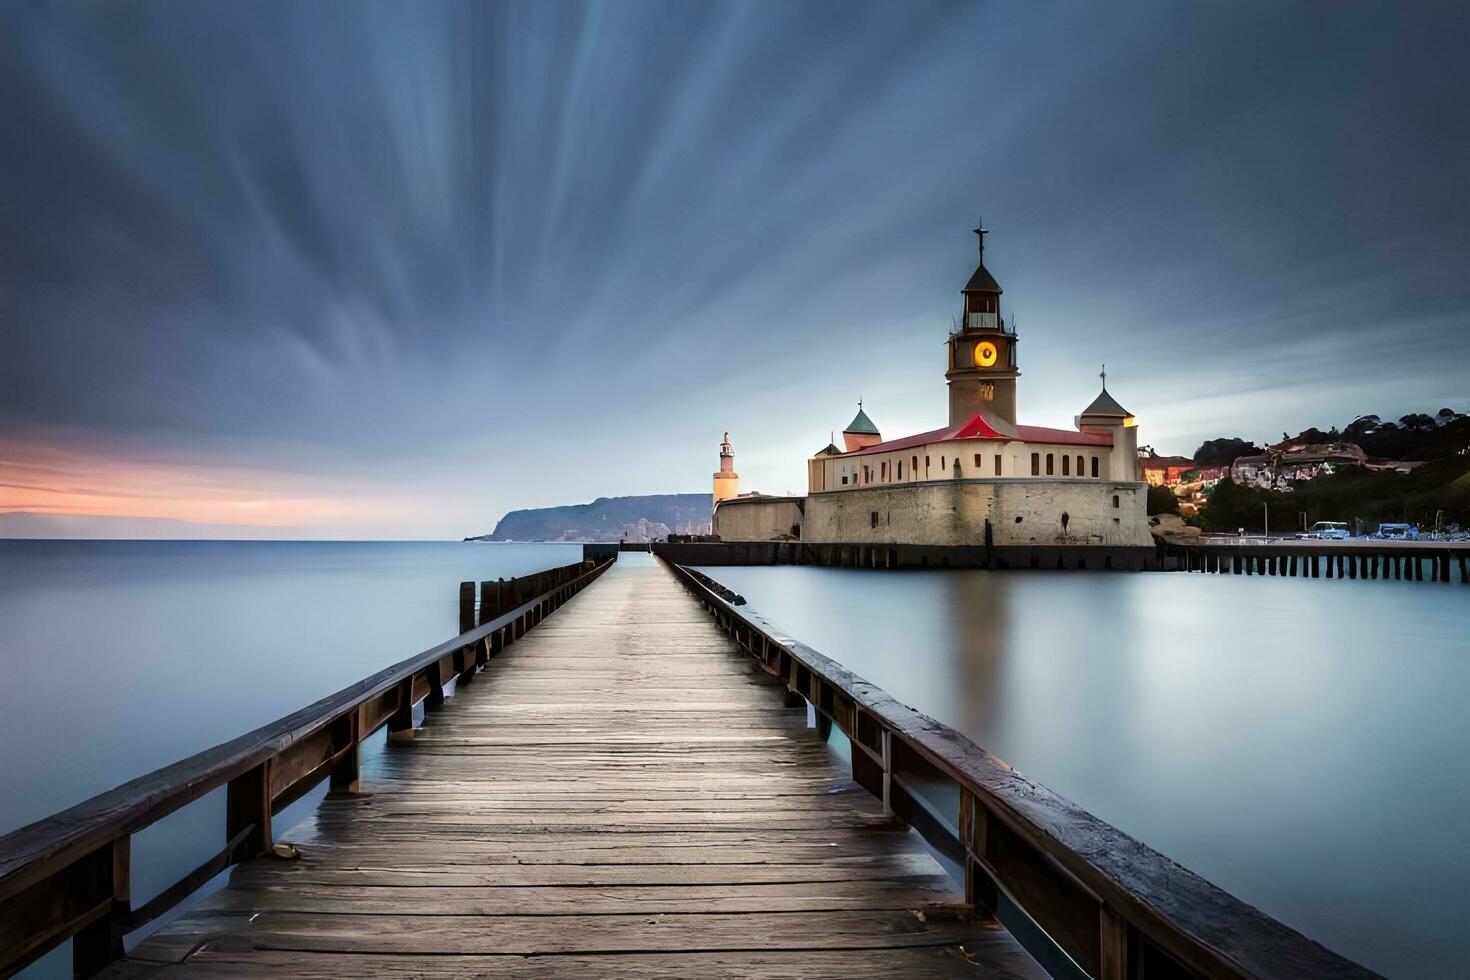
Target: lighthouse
point(727, 481)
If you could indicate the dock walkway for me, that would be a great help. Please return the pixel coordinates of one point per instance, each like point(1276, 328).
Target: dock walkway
point(621, 793)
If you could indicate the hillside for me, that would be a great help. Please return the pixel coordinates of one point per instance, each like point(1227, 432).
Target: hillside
point(606, 519)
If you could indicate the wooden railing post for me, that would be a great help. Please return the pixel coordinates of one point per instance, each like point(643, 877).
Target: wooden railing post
point(248, 805)
point(1114, 935)
point(980, 890)
point(346, 772)
point(101, 941)
point(435, 698)
point(400, 722)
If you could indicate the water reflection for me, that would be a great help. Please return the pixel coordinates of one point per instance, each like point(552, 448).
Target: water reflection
point(1296, 741)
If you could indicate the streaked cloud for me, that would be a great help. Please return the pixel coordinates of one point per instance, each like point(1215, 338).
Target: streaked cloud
point(334, 257)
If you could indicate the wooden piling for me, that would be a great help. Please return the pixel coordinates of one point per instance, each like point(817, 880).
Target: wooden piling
point(466, 606)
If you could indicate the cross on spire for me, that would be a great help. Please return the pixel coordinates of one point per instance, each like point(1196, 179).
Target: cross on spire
point(1104, 375)
point(980, 232)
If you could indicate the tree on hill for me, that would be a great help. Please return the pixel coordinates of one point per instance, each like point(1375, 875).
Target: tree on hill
point(1223, 452)
point(1161, 500)
point(1439, 489)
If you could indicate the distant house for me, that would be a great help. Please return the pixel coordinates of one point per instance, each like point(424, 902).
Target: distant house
point(1166, 471)
point(1285, 464)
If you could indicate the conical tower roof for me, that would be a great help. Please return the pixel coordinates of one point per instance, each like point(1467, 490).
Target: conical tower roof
point(1107, 406)
point(861, 424)
point(982, 281)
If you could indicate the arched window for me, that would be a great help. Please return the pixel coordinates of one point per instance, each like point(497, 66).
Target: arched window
point(1066, 465)
point(1115, 500)
point(941, 462)
point(914, 466)
point(1051, 464)
point(997, 464)
point(977, 462)
point(1079, 467)
point(1094, 467)
point(900, 469)
point(1036, 464)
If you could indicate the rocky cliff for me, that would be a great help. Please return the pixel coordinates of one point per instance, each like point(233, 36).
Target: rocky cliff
point(607, 519)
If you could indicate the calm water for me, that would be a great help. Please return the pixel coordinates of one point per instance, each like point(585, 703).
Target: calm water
point(1300, 743)
point(118, 657)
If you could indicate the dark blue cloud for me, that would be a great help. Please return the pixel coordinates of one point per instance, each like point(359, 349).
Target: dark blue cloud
point(399, 242)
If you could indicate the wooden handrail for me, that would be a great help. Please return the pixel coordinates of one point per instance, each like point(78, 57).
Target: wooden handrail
point(1113, 905)
point(66, 875)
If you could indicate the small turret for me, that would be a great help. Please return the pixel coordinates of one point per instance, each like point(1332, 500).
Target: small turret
point(861, 431)
point(1106, 416)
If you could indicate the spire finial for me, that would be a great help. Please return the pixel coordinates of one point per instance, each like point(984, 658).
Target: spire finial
point(980, 232)
point(1104, 375)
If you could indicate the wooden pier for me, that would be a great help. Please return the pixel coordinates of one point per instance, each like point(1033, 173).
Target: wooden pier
point(617, 795)
point(628, 788)
point(1426, 561)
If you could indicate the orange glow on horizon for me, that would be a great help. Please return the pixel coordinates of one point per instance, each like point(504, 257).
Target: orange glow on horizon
point(46, 480)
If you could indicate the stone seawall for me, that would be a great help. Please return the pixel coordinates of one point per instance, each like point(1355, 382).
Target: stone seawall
point(1021, 513)
point(1082, 557)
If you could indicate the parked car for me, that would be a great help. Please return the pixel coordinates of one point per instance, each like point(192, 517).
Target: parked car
point(1397, 532)
point(1330, 530)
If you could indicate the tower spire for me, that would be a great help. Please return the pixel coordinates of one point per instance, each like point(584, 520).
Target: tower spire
point(1104, 375)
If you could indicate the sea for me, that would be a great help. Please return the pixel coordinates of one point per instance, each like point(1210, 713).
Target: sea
point(1299, 742)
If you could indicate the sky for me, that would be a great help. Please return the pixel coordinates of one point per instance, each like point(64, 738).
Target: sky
point(390, 270)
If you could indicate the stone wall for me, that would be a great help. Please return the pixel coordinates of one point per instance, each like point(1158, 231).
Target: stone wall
point(1022, 512)
point(758, 518)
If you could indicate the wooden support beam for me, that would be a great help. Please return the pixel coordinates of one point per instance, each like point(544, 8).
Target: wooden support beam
point(1114, 932)
point(101, 941)
point(435, 675)
point(346, 772)
point(248, 812)
point(400, 723)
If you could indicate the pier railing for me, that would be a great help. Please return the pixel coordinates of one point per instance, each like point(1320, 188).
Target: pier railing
point(1114, 906)
point(67, 876)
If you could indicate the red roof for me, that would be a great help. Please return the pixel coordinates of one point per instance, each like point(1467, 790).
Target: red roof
point(1066, 437)
point(978, 428)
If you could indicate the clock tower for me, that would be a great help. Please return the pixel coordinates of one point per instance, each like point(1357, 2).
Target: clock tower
point(982, 352)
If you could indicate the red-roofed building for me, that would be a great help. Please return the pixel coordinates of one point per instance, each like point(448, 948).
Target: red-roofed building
point(983, 477)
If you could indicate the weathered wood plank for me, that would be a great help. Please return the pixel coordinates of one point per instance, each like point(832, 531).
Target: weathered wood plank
point(992, 956)
point(540, 935)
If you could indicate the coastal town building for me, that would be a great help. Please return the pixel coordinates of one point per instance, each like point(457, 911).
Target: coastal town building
point(983, 478)
point(1281, 466)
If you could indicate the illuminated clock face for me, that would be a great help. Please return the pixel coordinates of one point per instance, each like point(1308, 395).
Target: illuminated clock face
point(985, 354)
